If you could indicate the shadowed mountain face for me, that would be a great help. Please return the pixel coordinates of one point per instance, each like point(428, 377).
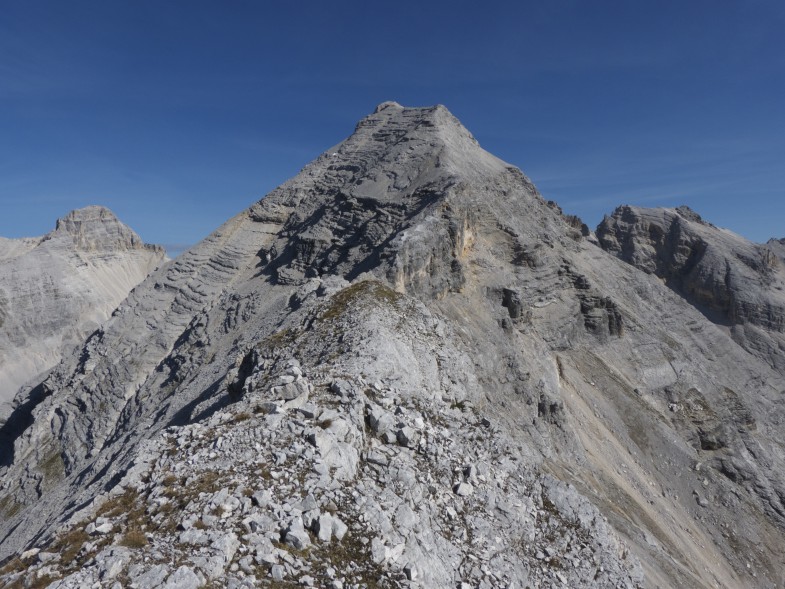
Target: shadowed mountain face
point(57, 289)
point(404, 368)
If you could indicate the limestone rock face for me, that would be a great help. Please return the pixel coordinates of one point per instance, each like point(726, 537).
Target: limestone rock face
point(402, 368)
point(737, 283)
point(57, 289)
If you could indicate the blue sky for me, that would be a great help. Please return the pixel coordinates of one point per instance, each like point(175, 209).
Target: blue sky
point(179, 114)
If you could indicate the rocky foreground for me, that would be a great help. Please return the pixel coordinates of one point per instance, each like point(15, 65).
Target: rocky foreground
point(314, 479)
point(404, 368)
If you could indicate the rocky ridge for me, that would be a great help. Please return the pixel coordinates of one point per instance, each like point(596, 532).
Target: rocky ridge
point(401, 368)
point(317, 478)
point(56, 289)
point(737, 283)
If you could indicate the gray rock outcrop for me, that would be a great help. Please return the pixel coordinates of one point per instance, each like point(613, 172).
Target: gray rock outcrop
point(736, 283)
point(402, 368)
point(57, 289)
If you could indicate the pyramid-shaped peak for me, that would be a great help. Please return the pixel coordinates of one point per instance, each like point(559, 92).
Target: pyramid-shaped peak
point(97, 227)
point(400, 132)
point(392, 153)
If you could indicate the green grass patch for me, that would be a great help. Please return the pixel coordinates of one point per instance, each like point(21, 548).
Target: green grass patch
point(69, 544)
point(125, 503)
point(240, 417)
point(134, 538)
point(280, 339)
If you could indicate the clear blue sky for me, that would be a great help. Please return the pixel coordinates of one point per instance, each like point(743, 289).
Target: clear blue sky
point(179, 114)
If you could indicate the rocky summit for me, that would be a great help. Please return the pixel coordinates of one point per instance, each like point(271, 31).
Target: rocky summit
point(57, 289)
point(404, 368)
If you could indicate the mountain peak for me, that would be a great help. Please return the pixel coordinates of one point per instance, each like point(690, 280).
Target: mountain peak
point(89, 217)
point(352, 201)
point(396, 145)
point(97, 228)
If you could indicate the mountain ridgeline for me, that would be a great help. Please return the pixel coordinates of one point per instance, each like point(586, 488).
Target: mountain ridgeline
point(405, 368)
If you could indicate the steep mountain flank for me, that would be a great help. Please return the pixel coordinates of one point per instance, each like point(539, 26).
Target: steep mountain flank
point(401, 368)
point(57, 289)
point(737, 283)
